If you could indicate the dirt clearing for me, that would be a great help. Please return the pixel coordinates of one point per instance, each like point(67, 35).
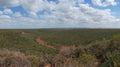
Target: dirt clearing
point(44, 43)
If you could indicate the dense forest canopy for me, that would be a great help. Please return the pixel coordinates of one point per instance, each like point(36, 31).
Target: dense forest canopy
point(60, 47)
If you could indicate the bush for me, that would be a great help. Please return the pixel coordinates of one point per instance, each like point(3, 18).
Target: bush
point(13, 59)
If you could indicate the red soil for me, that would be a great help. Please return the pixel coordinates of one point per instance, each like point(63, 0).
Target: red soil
point(42, 42)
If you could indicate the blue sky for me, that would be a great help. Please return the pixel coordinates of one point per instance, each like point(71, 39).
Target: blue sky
point(59, 14)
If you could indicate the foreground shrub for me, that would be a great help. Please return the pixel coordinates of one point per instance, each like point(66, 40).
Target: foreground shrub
point(13, 59)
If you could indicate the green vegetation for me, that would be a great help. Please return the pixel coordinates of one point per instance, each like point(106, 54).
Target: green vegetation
point(22, 42)
point(72, 48)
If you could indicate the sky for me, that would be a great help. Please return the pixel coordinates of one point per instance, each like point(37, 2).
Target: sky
point(59, 14)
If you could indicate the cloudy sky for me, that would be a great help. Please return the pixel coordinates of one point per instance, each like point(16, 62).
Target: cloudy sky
point(59, 13)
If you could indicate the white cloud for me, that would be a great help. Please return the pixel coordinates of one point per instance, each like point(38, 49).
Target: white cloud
point(105, 3)
point(17, 14)
point(67, 13)
point(7, 11)
point(1, 12)
point(4, 17)
point(9, 3)
point(34, 6)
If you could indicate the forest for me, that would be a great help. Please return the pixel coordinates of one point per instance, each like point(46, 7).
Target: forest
point(60, 48)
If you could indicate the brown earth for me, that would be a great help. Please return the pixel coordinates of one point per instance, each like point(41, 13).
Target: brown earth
point(44, 43)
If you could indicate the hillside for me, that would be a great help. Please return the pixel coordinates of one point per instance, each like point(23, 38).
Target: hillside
point(61, 47)
point(25, 40)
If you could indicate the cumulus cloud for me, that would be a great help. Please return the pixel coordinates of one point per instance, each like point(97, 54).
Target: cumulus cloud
point(1, 12)
point(8, 11)
point(65, 13)
point(17, 14)
point(34, 6)
point(78, 16)
point(105, 3)
point(9, 3)
point(4, 17)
